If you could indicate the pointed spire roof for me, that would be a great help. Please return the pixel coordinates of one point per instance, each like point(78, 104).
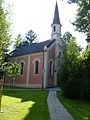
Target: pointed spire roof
point(56, 19)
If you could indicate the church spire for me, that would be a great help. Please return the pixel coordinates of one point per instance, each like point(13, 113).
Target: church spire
point(56, 25)
point(56, 19)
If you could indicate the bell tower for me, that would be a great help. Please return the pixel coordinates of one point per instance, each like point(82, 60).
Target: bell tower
point(56, 25)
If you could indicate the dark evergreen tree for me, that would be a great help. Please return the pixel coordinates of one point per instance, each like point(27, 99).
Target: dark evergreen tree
point(31, 37)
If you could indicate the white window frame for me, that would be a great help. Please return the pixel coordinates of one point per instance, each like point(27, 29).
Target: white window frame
point(34, 63)
point(22, 61)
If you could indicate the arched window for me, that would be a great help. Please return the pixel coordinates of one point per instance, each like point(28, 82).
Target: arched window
point(22, 68)
point(54, 28)
point(36, 66)
point(36, 62)
point(51, 68)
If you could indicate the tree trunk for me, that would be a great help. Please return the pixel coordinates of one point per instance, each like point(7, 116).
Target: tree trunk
point(1, 90)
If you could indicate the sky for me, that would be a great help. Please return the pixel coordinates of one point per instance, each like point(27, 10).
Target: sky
point(38, 16)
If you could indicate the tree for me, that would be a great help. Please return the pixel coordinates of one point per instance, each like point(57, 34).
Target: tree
point(5, 40)
point(70, 70)
point(82, 21)
point(67, 36)
point(13, 70)
point(86, 73)
point(31, 37)
point(4, 35)
point(4, 43)
point(73, 1)
point(24, 43)
point(18, 41)
point(74, 72)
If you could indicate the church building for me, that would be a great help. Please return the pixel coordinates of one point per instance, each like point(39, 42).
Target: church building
point(39, 61)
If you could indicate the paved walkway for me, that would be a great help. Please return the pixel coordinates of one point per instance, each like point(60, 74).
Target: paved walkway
point(56, 109)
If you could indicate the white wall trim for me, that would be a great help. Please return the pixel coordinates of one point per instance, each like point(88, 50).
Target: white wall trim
point(28, 70)
point(32, 54)
point(28, 85)
point(22, 61)
point(45, 69)
point(34, 63)
point(52, 45)
point(36, 59)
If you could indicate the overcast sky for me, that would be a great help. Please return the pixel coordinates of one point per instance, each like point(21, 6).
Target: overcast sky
point(38, 16)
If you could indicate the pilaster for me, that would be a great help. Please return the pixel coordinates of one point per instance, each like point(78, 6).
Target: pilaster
point(45, 67)
point(28, 70)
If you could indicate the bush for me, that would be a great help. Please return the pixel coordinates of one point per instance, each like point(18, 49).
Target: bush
point(1, 74)
point(74, 73)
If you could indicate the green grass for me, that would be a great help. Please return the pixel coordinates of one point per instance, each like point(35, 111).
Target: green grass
point(15, 87)
point(25, 105)
point(80, 110)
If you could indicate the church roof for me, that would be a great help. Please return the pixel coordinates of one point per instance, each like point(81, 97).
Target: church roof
point(56, 19)
point(33, 48)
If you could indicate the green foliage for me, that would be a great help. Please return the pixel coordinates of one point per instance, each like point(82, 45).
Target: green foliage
point(73, 1)
point(4, 36)
point(18, 41)
point(86, 53)
point(31, 37)
point(69, 75)
point(1, 1)
point(82, 22)
point(73, 75)
point(13, 69)
point(24, 43)
point(67, 36)
point(86, 73)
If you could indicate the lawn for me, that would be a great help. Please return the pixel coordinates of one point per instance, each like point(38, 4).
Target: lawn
point(80, 110)
point(25, 105)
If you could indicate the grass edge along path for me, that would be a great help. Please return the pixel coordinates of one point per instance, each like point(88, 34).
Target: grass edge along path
point(25, 105)
point(79, 109)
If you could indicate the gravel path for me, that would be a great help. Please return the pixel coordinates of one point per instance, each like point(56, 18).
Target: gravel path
point(56, 109)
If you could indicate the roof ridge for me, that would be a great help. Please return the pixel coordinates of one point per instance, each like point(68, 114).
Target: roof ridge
point(34, 48)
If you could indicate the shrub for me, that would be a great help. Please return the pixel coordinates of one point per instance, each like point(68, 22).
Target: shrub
point(74, 73)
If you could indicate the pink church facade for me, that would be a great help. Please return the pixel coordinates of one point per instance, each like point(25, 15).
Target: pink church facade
point(38, 61)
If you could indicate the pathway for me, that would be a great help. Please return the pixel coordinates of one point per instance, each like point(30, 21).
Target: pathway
point(56, 109)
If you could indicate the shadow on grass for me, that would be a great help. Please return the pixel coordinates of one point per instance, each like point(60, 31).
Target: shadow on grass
point(39, 109)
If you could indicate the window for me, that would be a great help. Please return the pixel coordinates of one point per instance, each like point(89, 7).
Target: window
point(36, 67)
point(35, 63)
point(54, 28)
point(51, 68)
point(22, 68)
